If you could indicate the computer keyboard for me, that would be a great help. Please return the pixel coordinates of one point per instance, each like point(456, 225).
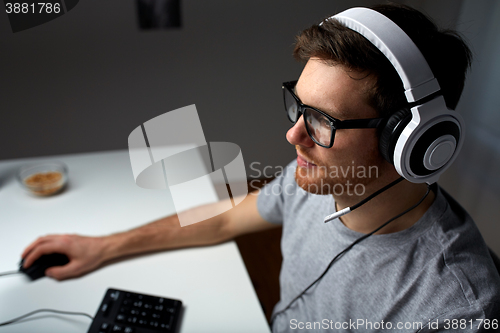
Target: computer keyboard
point(128, 312)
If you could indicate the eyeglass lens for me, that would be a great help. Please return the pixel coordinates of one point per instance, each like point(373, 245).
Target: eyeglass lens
point(291, 107)
point(318, 126)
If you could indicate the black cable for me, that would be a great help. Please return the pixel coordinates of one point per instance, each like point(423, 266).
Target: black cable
point(45, 310)
point(347, 249)
point(9, 273)
point(362, 202)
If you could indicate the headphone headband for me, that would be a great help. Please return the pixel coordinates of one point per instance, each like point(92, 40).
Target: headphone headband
point(423, 139)
point(394, 43)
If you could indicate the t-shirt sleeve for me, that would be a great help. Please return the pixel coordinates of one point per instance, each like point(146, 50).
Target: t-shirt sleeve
point(272, 197)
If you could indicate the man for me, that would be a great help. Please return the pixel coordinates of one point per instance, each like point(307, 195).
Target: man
point(427, 268)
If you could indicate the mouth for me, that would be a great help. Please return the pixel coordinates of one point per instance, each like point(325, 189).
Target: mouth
point(303, 162)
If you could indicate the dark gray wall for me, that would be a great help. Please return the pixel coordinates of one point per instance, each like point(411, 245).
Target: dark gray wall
point(84, 81)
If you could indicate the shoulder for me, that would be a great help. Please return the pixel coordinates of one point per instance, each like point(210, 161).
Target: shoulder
point(466, 269)
point(272, 197)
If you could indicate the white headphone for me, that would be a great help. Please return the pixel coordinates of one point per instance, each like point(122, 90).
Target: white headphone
point(424, 140)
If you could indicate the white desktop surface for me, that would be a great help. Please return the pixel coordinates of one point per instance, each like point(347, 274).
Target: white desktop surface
point(102, 198)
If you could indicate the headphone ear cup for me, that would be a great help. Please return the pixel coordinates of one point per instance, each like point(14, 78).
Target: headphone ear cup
point(391, 131)
point(434, 148)
point(422, 150)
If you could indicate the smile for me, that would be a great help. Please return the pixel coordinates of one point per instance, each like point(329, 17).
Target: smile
point(302, 162)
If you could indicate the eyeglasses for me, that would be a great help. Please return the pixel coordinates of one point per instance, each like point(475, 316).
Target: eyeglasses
point(320, 126)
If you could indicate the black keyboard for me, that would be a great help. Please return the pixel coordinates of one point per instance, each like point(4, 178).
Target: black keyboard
point(128, 312)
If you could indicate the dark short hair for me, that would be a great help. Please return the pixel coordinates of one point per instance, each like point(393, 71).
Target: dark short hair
point(445, 51)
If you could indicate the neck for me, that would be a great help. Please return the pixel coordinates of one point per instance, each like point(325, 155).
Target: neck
point(386, 206)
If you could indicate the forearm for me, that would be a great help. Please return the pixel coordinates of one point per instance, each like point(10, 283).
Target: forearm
point(165, 234)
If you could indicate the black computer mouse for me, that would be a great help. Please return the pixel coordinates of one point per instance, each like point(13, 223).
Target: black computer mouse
point(37, 269)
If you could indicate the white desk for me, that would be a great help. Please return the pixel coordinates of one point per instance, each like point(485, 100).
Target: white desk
point(102, 198)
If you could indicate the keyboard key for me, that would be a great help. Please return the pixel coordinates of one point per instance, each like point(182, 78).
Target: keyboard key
point(114, 295)
point(104, 328)
point(117, 328)
point(105, 308)
point(120, 318)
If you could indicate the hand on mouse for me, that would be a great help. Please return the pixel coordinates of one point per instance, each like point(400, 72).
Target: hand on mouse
point(84, 253)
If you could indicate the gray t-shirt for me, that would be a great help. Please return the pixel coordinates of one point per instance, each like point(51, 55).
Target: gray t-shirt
point(437, 272)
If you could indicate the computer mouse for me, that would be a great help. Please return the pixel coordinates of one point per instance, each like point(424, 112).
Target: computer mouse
point(37, 269)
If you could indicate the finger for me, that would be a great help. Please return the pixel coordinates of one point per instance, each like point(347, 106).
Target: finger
point(39, 251)
point(30, 247)
point(67, 271)
point(34, 244)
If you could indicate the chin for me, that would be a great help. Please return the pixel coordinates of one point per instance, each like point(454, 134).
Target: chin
point(321, 184)
point(314, 184)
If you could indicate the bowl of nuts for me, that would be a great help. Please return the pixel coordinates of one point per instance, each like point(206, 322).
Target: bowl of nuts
point(43, 179)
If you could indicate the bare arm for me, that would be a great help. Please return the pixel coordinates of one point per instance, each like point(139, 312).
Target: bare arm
point(166, 233)
point(88, 253)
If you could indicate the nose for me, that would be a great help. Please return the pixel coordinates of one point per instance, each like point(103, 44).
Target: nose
point(297, 135)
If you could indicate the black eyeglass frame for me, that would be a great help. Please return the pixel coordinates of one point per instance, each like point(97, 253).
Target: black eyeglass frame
point(335, 124)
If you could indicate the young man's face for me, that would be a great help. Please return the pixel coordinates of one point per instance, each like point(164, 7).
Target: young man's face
point(354, 157)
